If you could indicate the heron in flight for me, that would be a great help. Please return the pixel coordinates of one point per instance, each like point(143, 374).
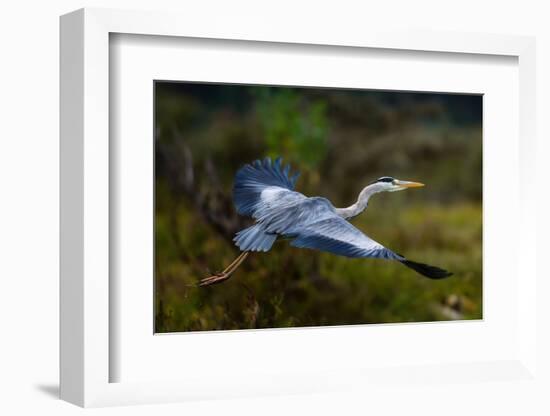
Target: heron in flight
point(264, 191)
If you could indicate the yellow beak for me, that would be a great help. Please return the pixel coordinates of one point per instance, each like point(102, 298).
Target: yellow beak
point(408, 184)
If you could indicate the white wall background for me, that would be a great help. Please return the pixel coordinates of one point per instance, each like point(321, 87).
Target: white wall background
point(29, 210)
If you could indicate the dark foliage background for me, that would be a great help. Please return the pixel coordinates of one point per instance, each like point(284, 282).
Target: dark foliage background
point(340, 140)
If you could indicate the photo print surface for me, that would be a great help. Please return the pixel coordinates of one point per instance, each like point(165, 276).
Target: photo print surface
point(281, 207)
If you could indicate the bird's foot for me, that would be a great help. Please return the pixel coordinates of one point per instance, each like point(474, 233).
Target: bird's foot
point(226, 274)
point(215, 278)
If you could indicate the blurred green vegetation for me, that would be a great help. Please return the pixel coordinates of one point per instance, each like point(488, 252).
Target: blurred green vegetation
point(340, 140)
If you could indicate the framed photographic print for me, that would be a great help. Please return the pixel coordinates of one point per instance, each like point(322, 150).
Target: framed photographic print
point(291, 210)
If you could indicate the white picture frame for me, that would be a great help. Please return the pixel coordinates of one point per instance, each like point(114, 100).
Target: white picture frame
point(86, 356)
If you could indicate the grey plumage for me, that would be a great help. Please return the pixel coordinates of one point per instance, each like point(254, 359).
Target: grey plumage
point(264, 190)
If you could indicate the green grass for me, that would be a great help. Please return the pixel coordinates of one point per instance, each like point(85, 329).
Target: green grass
point(298, 287)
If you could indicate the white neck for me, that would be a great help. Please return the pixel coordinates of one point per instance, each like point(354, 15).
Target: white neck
point(362, 201)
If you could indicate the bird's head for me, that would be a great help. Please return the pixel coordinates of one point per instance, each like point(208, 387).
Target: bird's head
point(389, 184)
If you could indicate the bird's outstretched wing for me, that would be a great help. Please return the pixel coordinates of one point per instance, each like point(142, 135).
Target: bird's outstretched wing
point(334, 234)
point(262, 187)
point(257, 183)
point(313, 223)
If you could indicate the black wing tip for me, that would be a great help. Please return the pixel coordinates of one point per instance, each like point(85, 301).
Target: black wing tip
point(431, 272)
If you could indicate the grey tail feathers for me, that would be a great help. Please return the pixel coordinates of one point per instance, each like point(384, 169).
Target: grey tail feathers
point(254, 238)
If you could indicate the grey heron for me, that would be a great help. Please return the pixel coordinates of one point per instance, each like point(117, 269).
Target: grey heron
point(264, 191)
